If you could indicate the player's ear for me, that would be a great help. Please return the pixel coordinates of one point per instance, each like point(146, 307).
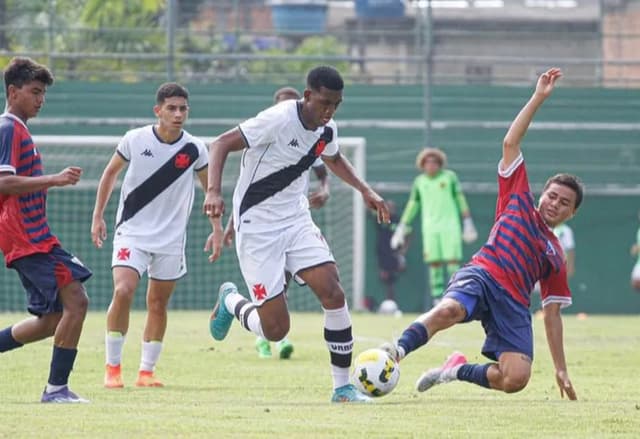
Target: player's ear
point(307, 94)
point(156, 110)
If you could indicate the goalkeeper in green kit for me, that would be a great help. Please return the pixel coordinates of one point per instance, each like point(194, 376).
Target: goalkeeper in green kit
point(438, 195)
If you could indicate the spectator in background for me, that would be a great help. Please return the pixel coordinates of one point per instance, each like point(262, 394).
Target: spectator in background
point(391, 261)
point(635, 251)
point(438, 195)
point(565, 236)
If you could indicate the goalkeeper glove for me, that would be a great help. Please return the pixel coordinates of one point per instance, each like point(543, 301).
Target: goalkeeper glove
point(469, 233)
point(397, 240)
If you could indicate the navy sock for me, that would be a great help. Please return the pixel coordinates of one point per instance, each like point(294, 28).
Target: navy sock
point(413, 337)
point(61, 365)
point(7, 342)
point(475, 373)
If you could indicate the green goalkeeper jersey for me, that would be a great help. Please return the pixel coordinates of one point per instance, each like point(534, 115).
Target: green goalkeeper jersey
point(440, 200)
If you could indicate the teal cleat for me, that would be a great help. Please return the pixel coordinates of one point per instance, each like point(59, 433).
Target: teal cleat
point(221, 319)
point(285, 349)
point(349, 393)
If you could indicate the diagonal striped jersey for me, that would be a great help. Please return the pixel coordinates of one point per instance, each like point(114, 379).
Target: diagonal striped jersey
point(271, 191)
point(158, 189)
point(521, 248)
point(24, 229)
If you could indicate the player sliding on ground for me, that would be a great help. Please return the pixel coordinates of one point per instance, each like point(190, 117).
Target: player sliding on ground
point(274, 229)
point(495, 286)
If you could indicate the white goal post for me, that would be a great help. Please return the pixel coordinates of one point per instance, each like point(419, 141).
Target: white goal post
point(342, 219)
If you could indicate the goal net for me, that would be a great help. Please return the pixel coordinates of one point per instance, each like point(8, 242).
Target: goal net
point(69, 209)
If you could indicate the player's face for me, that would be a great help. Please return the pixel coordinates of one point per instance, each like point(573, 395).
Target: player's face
point(431, 166)
point(26, 101)
point(557, 204)
point(319, 106)
point(172, 113)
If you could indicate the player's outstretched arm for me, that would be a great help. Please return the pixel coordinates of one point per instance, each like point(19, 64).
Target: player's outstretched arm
point(105, 188)
point(12, 184)
point(231, 140)
point(340, 166)
point(553, 328)
point(519, 126)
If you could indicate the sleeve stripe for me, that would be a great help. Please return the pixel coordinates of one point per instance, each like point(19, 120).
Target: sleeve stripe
point(564, 301)
point(7, 168)
point(510, 170)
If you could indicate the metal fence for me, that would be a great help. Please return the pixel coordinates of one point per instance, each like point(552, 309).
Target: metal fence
point(447, 42)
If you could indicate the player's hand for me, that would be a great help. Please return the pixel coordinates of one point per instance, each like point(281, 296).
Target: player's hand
point(397, 239)
point(68, 176)
point(318, 198)
point(375, 202)
point(214, 245)
point(213, 205)
point(547, 81)
point(564, 383)
point(98, 232)
point(469, 232)
point(229, 234)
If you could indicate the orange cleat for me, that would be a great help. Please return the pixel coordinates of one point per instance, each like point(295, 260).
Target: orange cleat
point(147, 379)
point(113, 377)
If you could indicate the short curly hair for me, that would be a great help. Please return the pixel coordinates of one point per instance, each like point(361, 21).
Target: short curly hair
point(436, 153)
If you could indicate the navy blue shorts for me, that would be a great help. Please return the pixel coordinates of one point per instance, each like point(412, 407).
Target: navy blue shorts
point(44, 274)
point(506, 322)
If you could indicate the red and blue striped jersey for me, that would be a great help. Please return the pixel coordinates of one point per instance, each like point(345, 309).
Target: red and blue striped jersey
point(521, 248)
point(23, 220)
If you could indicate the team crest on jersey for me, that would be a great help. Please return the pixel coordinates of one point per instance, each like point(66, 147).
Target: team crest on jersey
point(182, 161)
point(259, 291)
point(124, 254)
point(320, 147)
point(551, 250)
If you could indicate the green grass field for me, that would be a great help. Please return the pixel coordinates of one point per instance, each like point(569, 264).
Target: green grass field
point(221, 389)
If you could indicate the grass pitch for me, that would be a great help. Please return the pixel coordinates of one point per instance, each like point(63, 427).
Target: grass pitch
point(222, 389)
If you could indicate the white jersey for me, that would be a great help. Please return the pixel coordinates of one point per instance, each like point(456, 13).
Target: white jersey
point(565, 235)
point(158, 189)
point(272, 186)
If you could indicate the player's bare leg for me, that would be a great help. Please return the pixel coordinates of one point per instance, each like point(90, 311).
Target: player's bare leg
point(512, 372)
point(324, 281)
point(158, 295)
point(125, 281)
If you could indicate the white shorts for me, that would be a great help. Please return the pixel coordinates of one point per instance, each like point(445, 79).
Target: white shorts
point(265, 256)
point(635, 274)
point(159, 266)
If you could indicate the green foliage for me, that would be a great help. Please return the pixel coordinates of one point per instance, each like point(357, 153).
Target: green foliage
point(285, 71)
point(223, 390)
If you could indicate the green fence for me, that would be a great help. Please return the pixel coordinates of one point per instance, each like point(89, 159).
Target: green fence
point(593, 133)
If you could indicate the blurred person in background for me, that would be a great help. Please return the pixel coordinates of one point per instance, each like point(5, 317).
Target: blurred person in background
point(635, 251)
point(437, 194)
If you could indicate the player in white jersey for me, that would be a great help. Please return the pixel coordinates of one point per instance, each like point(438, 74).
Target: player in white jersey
point(317, 199)
point(156, 198)
point(274, 229)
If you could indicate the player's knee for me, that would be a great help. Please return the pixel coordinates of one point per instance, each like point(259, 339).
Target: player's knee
point(448, 312)
point(156, 306)
point(515, 383)
point(76, 300)
point(123, 292)
point(276, 332)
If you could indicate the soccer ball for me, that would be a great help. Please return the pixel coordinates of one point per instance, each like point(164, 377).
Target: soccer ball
point(375, 373)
